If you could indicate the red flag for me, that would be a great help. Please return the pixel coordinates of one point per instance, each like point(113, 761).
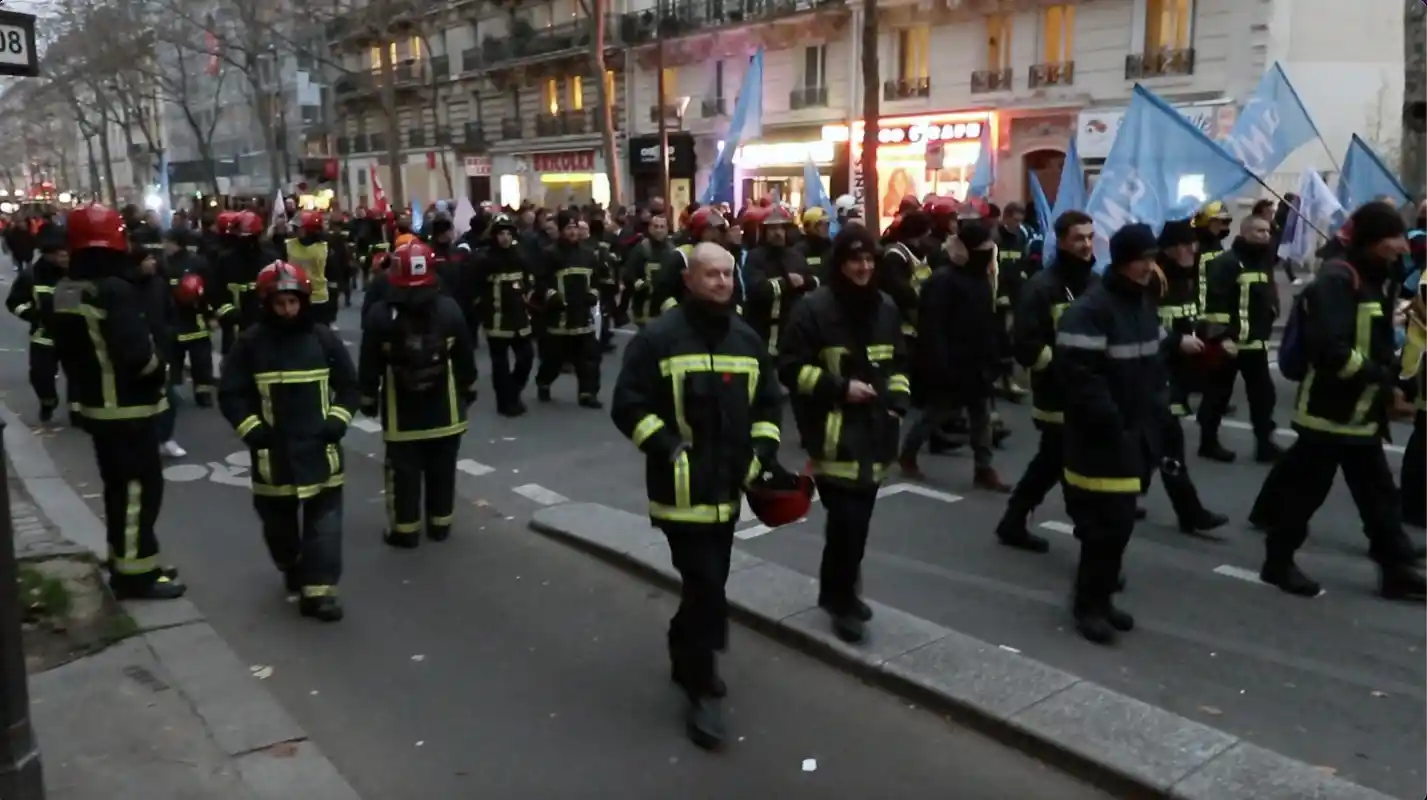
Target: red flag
point(378, 195)
point(210, 45)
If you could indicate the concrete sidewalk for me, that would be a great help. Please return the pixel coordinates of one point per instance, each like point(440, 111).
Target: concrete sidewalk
point(168, 713)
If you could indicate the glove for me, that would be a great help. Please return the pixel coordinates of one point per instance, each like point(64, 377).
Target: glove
point(776, 477)
point(333, 430)
point(259, 438)
point(555, 301)
point(470, 397)
point(369, 407)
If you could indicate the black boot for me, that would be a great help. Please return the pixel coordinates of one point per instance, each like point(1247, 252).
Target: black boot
point(1266, 452)
point(858, 609)
point(47, 412)
point(1012, 532)
point(157, 586)
point(326, 608)
point(542, 393)
point(590, 401)
point(292, 581)
point(1093, 622)
point(703, 722)
point(438, 533)
point(1210, 448)
point(1119, 620)
point(401, 541)
point(1202, 523)
point(1401, 583)
point(1283, 573)
point(1095, 578)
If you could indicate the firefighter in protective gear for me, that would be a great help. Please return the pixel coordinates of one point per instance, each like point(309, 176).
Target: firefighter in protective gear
point(1043, 300)
point(705, 225)
point(566, 288)
point(903, 267)
point(1341, 415)
point(641, 270)
point(1414, 386)
point(189, 277)
point(418, 371)
point(1110, 359)
point(1012, 244)
point(379, 284)
point(843, 360)
point(117, 387)
point(503, 288)
point(289, 389)
point(1211, 226)
point(237, 306)
point(776, 277)
point(312, 252)
point(816, 245)
point(31, 299)
point(698, 395)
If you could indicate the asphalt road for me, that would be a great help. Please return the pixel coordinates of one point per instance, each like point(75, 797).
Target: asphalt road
point(505, 665)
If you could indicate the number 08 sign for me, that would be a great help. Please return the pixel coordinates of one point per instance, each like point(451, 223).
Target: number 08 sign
point(17, 45)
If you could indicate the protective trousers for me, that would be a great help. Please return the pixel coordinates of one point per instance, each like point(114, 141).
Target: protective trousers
point(849, 515)
point(230, 335)
point(1300, 481)
point(128, 456)
point(1104, 522)
point(510, 380)
point(607, 312)
point(44, 374)
point(578, 350)
point(699, 629)
point(1414, 474)
point(199, 353)
point(1183, 497)
point(428, 464)
point(1258, 386)
point(1041, 475)
point(305, 537)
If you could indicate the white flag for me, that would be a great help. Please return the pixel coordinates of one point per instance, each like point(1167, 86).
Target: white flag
point(279, 210)
point(461, 219)
point(1317, 205)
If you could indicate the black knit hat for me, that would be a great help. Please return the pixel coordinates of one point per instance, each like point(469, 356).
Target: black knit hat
point(1132, 243)
point(913, 225)
point(852, 241)
point(1177, 232)
point(973, 233)
point(1374, 222)
point(566, 218)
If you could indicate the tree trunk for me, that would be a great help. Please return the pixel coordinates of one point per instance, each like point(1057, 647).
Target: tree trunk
point(1414, 98)
point(871, 111)
point(395, 190)
point(611, 153)
point(94, 182)
point(108, 155)
point(262, 104)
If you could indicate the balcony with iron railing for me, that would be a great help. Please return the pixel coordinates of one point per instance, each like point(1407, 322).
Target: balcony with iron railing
point(525, 42)
point(566, 122)
point(1160, 63)
point(671, 20)
point(416, 137)
point(670, 111)
point(440, 67)
point(985, 81)
point(511, 129)
point(1060, 73)
point(711, 107)
point(807, 97)
point(907, 89)
point(409, 72)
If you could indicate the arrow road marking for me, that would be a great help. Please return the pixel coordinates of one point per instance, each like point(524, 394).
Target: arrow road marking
point(473, 468)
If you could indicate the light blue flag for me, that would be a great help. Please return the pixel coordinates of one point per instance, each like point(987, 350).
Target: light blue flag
point(416, 215)
point(1272, 125)
point(1069, 197)
point(1365, 178)
point(1041, 204)
point(814, 196)
point(983, 175)
point(1157, 171)
point(746, 124)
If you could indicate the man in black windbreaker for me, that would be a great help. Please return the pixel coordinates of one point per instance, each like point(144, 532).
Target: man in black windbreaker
point(1108, 353)
point(566, 288)
point(116, 385)
point(699, 396)
point(1241, 305)
point(31, 299)
point(1043, 300)
point(844, 361)
point(503, 284)
point(289, 390)
point(418, 371)
point(1341, 414)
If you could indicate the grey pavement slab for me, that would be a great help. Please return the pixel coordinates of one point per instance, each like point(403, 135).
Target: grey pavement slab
point(1093, 730)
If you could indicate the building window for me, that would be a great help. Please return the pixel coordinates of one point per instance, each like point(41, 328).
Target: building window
point(552, 96)
point(377, 56)
point(609, 87)
point(1058, 35)
point(577, 93)
point(413, 46)
point(814, 66)
point(671, 83)
point(914, 52)
point(1169, 25)
point(998, 42)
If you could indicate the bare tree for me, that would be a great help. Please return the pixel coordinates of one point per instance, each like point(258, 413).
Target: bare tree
point(176, 78)
point(1414, 101)
point(871, 112)
point(597, 11)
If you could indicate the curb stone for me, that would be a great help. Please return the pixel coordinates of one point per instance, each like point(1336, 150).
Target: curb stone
point(1107, 738)
point(269, 749)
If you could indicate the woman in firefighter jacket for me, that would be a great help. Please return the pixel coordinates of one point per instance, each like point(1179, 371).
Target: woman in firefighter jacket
point(775, 276)
point(418, 370)
point(503, 285)
point(566, 282)
point(843, 358)
point(289, 389)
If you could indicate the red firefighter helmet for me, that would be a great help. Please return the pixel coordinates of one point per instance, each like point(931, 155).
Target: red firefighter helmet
point(247, 223)
point(778, 497)
point(777, 215)
point(310, 222)
point(224, 222)
point(281, 276)
point(98, 227)
point(414, 267)
point(752, 217)
point(941, 206)
point(704, 219)
point(189, 289)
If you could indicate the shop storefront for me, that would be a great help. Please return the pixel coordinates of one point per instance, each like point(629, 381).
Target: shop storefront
point(1096, 127)
point(774, 167)
point(644, 168)
point(552, 179)
point(478, 178)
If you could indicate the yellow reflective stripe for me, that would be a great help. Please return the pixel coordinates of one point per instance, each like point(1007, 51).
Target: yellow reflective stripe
point(1223, 319)
point(248, 425)
point(848, 470)
point(427, 433)
point(303, 492)
point(705, 363)
point(808, 378)
point(683, 490)
point(319, 591)
point(1053, 417)
point(755, 469)
point(40, 288)
point(133, 506)
point(224, 310)
point(899, 383)
point(1106, 485)
point(265, 466)
point(880, 352)
point(20, 309)
point(647, 427)
point(1413, 349)
point(767, 430)
point(1254, 344)
point(1179, 409)
point(1043, 359)
point(441, 520)
point(581, 272)
point(40, 338)
point(116, 413)
point(708, 514)
point(151, 366)
point(668, 304)
point(832, 433)
point(292, 376)
point(340, 413)
point(193, 337)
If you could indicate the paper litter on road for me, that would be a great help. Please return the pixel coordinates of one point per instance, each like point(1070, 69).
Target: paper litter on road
point(810, 765)
point(261, 672)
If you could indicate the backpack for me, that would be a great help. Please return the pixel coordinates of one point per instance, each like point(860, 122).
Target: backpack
point(417, 351)
point(1293, 360)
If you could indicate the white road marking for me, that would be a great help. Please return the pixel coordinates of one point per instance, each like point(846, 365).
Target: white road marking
point(541, 495)
point(1288, 433)
point(1240, 573)
point(912, 488)
point(368, 425)
point(473, 468)
point(1059, 527)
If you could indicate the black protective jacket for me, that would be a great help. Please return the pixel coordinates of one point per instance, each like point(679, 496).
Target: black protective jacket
point(503, 286)
point(1241, 301)
point(566, 279)
point(191, 321)
point(1109, 353)
point(900, 273)
point(290, 390)
point(956, 359)
point(1011, 244)
point(438, 408)
point(1043, 300)
point(699, 396)
point(31, 298)
point(1173, 289)
point(817, 252)
point(238, 268)
point(641, 270)
point(771, 294)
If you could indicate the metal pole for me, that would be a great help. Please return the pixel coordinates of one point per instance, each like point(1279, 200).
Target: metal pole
point(21, 776)
point(663, 136)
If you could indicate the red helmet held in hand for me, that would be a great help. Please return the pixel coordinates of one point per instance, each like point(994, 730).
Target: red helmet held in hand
point(189, 290)
point(414, 266)
point(778, 497)
point(281, 276)
point(97, 227)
